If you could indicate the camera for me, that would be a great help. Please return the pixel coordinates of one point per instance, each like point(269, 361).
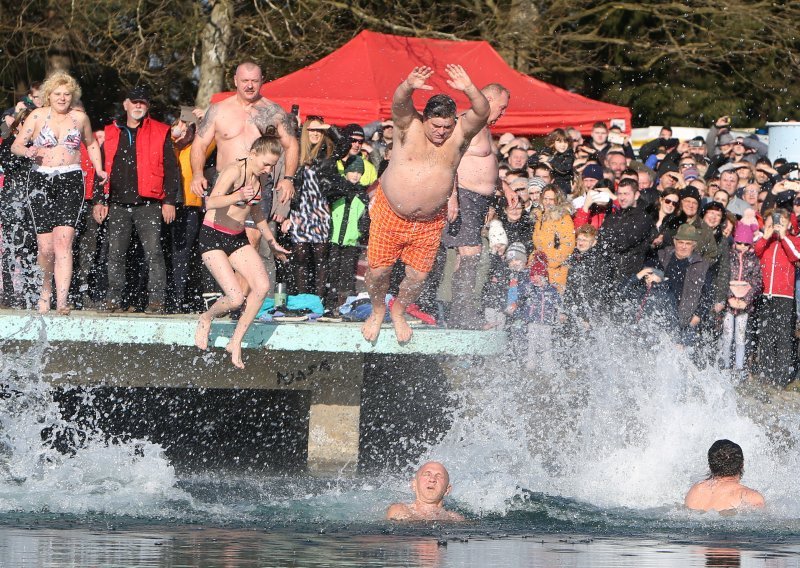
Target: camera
point(776, 219)
point(599, 197)
point(616, 138)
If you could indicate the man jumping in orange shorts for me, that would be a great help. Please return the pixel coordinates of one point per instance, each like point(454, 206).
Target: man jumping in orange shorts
point(410, 206)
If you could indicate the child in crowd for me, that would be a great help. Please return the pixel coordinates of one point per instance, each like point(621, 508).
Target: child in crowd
point(745, 286)
point(350, 220)
point(587, 291)
point(537, 307)
point(495, 291)
point(559, 154)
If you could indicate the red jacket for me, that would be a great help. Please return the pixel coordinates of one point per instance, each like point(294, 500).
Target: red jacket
point(88, 173)
point(150, 139)
point(777, 258)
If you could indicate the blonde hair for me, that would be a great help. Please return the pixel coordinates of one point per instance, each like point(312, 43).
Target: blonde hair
point(57, 79)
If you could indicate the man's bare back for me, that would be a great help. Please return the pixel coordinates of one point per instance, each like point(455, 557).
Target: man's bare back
point(722, 494)
point(723, 490)
point(412, 512)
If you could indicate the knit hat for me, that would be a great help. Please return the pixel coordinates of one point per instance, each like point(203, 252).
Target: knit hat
point(744, 233)
point(538, 266)
point(497, 234)
point(690, 191)
point(686, 232)
point(593, 171)
point(691, 173)
point(355, 164)
point(516, 251)
point(536, 182)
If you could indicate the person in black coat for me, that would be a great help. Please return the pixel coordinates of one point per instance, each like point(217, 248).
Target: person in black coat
point(626, 233)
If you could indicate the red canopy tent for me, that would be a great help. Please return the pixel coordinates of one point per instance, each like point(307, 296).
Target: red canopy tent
point(355, 83)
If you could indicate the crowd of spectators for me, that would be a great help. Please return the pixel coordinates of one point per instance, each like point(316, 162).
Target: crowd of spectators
point(697, 236)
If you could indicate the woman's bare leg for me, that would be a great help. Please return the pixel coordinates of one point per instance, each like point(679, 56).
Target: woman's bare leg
point(46, 260)
point(220, 267)
point(248, 265)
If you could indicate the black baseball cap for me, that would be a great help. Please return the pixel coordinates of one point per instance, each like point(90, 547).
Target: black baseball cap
point(353, 130)
point(139, 93)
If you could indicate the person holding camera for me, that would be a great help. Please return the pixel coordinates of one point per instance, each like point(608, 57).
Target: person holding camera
point(778, 251)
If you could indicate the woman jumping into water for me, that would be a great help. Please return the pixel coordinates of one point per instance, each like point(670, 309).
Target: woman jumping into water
point(232, 261)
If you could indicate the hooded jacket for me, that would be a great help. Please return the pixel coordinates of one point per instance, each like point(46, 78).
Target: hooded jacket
point(777, 258)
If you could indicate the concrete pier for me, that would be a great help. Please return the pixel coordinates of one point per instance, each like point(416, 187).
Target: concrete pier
point(328, 361)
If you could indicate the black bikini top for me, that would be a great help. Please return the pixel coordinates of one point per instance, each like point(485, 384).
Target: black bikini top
point(244, 181)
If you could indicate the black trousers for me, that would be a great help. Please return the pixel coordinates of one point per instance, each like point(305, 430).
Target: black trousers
point(776, 355)
point(146, 219)
point(185, 260)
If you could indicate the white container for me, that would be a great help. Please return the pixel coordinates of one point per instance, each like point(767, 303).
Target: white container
point(784, 140)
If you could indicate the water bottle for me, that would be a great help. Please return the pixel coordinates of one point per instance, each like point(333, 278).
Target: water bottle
point(280, 295)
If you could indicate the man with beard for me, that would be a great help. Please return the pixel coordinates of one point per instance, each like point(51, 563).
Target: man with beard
point(143, 186)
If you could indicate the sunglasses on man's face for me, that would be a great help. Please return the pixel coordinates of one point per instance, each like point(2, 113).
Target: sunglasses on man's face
point(356, 140)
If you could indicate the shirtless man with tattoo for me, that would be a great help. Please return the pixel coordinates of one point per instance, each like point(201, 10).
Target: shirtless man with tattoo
point(235, 123)
point(430, 485)
point(410, 204)
point(478, 177)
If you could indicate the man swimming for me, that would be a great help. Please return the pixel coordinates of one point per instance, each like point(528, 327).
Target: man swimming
point(410, 204)
point(723, 491)
point(430, 485)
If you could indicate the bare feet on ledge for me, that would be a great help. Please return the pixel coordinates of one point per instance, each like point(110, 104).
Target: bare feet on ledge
point(235, 349)
point(202, 331)
point(372, 327)
point(401, 328)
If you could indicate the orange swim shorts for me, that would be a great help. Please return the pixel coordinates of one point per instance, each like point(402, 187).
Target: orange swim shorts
point(392, 237)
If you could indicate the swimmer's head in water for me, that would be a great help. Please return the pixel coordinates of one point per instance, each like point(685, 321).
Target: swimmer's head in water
point(725, 459)
point(431, 483)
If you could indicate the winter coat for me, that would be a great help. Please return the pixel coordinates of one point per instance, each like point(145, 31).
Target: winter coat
point(745, 266)
point(624, 239)
point(777, 257)
point(562, 170)
point(519, 231)
point(696, 285)
point(538, 304)
point(554, 235)
point(495, 290)
point(588, 280)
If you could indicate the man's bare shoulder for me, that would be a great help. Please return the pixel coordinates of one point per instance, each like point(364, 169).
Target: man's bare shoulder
point(399, 512)
point(269, 113)
point(752, 498)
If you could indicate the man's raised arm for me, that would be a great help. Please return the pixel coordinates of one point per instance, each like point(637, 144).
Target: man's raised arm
point(403, 111)
point(197, 155)
point(476, 117)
